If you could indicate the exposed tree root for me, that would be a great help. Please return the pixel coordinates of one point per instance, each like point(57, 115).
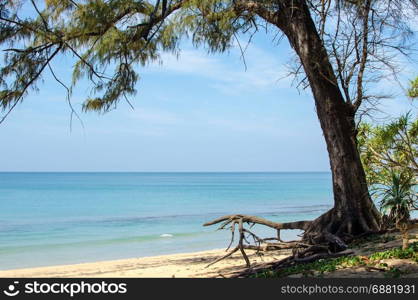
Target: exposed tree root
point(318, 241)
point(260, 244)
point(303, 225)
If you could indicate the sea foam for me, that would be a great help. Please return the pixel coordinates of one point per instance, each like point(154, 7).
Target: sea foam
point(166, 235)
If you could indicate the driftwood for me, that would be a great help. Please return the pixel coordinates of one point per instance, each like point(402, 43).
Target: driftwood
point(313, 245)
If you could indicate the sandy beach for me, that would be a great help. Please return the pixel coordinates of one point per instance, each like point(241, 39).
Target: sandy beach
point(194, 265)
point(184, 265)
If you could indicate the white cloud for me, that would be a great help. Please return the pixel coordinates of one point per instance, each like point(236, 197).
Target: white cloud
point(228, 75)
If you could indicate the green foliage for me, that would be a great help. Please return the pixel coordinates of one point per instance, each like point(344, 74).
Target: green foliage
point(394, 272)
point(329, 265)
point(387, 147)
point(389, 156)
point(410, 253)
point(413, 90)
point(105, 37)
point(321, 266)
point(398, 198)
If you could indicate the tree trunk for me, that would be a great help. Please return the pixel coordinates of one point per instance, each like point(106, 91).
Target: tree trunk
point(354, 212)
point(405, 238)
point(404, 229)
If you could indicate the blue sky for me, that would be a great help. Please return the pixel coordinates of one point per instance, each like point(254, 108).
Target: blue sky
point(197, 113)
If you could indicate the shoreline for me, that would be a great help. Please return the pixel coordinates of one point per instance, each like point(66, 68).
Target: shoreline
point(181, 265)
point(194, 264)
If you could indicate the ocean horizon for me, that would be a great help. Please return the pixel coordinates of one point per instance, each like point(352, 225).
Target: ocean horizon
point(56, 218)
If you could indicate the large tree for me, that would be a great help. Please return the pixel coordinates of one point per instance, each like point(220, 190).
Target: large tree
point(340, 46)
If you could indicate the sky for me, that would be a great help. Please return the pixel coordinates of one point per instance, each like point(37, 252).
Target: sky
point(195, 113)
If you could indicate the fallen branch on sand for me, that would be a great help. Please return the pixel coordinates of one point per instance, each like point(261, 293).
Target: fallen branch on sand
point(313, 245)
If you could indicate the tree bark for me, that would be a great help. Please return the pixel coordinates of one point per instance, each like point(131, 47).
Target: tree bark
point(354, 212)
point(405, 238)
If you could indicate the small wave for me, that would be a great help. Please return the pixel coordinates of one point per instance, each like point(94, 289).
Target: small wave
point(6, 227)
point(166, 235)
point(94, 243)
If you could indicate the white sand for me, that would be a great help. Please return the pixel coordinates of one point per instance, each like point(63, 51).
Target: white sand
point(175, 265)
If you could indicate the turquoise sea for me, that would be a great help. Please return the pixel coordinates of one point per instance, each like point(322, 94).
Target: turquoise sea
point(65, 218)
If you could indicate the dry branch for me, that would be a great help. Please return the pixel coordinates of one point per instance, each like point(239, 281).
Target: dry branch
point(314, 245)
point(302, 225)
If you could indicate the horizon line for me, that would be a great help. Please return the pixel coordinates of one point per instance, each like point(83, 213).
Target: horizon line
point(165, 171)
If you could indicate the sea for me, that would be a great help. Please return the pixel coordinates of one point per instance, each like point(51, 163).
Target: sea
point(66, 218)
